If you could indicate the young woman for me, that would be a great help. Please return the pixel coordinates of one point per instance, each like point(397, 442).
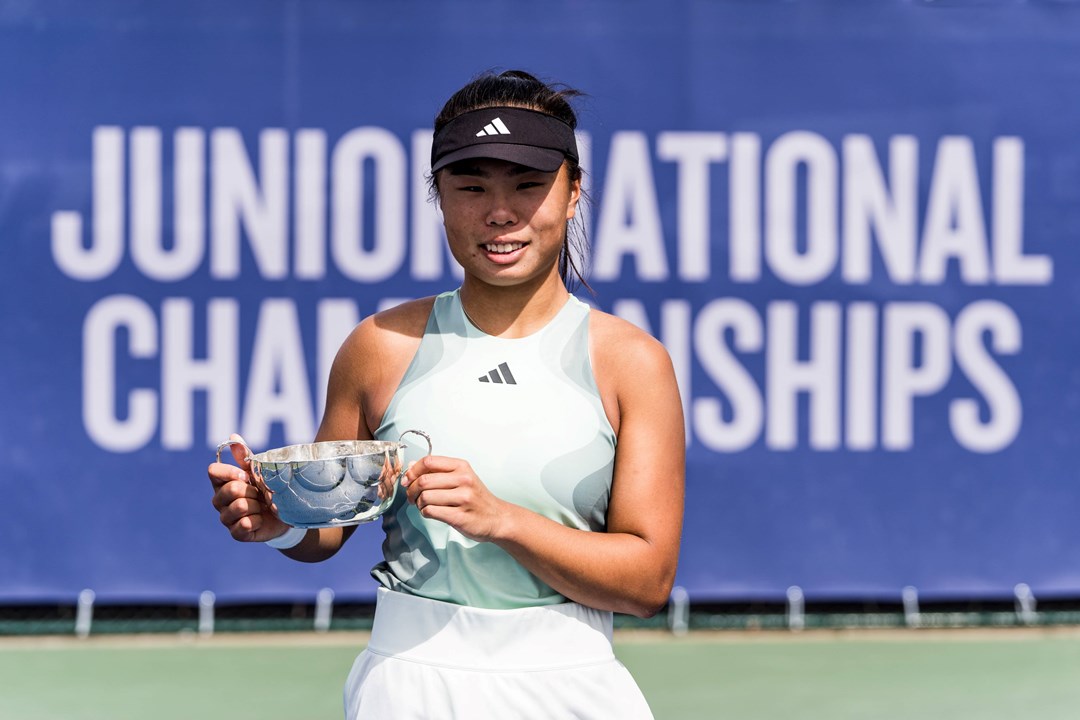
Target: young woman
point(557, 497)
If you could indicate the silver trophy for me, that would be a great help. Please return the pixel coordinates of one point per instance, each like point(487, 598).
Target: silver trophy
point(331, 483)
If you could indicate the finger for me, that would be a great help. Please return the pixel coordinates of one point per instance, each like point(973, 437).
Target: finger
point(448, 514)
point(233, 491)
point(239, 451)
point(438, 498)
point(240, 509)
point(246, 528)
point(431, 464)
point(221, 473)
point(414, 471)
point(433, 481)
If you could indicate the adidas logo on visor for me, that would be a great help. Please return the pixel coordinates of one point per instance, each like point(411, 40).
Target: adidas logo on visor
point(495, 127)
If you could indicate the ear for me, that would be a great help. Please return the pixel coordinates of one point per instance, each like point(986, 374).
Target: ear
point(434, 192)
point(575, 196)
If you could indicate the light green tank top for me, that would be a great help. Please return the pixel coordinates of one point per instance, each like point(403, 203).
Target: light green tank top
point(526, 414)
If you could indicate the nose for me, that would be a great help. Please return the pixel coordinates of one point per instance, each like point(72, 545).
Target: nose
point(500, 221)
point(500, 212)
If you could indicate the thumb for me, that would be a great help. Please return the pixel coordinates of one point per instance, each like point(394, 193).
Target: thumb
point(407, 476)
point(240, 451)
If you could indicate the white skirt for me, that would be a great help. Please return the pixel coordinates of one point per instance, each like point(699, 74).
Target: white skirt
point(431, 660)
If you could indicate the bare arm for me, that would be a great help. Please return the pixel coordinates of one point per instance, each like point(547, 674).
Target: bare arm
point(343, 419)
point(630, 568)
point(366, 371)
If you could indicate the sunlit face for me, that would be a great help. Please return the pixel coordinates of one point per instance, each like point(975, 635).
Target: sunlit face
point(506, 223)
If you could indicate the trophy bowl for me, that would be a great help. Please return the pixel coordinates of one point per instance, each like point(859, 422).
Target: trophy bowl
point(330, 483)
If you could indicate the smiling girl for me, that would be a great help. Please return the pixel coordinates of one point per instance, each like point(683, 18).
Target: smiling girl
point(557, 495)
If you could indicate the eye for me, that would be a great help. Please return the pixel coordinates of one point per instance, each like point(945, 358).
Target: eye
point(471, 188)
point(529, 184)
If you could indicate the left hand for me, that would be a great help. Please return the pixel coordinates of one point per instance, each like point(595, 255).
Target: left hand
point(447, 489)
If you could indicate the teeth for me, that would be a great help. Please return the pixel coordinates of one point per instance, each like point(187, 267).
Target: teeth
point(503, 248)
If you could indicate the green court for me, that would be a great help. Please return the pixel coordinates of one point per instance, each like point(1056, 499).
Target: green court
point(815, 675)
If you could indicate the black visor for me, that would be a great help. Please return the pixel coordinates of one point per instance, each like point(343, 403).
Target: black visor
point(525, 137)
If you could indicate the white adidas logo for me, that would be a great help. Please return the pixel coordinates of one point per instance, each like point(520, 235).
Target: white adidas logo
point(495, 127)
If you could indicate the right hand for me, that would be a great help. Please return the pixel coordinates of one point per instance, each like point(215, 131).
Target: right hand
point(239, 502)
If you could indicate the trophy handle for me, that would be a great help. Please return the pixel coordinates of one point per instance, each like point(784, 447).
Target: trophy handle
point(248, 457)
point(256, 470)
point(422, 434)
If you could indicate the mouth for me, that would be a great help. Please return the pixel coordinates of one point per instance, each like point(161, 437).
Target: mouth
point(502, 248)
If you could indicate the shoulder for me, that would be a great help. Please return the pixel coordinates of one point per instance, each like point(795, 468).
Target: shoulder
point(406, 320)
point(387, 330)
point(637, 383)
point(369, 366)
point(620, 346)
point(632, 369)
point(378, 343)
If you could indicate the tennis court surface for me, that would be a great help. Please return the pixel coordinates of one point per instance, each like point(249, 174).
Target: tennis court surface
point(865, 675)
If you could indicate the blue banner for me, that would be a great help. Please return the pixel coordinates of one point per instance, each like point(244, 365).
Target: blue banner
point(854, 226)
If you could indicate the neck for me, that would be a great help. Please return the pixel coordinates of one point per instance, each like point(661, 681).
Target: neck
point(513, 312)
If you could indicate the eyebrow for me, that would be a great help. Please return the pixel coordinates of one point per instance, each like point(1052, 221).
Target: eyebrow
point(474, 170)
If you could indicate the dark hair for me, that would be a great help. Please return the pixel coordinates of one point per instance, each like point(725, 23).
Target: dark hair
point(517, 88)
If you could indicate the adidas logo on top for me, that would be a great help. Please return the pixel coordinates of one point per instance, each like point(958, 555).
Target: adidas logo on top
point(495, 376)
point(495, 127)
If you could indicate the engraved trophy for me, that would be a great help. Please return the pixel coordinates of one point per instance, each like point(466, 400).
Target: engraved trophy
point(330, 483)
